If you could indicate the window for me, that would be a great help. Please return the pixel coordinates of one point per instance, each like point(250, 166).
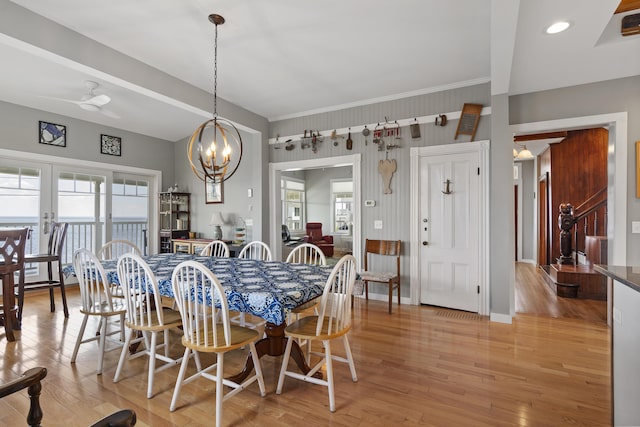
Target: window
point(293, 204)
point(130, 208)
point(342, 201)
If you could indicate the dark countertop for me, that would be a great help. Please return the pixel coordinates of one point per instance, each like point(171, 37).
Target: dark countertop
point(630, 276)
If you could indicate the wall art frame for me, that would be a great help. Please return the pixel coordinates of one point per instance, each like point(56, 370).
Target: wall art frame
point(111, 145)
point(213, 191)
point(52, 134)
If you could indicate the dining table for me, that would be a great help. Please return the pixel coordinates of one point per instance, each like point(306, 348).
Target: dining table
point(266, 289)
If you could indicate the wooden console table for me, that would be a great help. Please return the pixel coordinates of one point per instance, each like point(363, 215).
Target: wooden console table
point(194, 246)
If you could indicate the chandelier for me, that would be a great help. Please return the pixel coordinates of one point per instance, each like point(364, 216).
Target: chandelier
point(210, 150)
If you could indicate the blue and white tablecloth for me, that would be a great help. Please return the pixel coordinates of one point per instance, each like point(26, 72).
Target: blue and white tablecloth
point(267, 289)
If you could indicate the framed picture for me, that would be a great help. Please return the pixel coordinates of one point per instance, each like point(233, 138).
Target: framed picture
point(52, 134)
point(111, 145)
point(213, 192)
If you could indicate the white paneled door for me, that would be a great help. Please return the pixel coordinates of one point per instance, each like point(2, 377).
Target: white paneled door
point(450, 230)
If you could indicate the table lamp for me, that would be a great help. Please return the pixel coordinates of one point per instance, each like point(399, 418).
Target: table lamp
point(217, 220)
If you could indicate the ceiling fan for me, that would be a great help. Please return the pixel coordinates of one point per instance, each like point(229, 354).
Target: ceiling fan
point(92, 102)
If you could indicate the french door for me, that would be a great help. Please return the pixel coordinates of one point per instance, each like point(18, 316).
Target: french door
point(98, 205)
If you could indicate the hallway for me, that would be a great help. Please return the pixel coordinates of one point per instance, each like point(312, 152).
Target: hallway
point(533, 296)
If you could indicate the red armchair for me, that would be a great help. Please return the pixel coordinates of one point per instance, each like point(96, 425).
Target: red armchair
point(314, 236)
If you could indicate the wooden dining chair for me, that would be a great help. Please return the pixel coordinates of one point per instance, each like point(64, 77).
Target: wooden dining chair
point(305, 253)
point(95, 295)
point(12, 247)
point(256, 250)
point(332, 322)
point(114, 249)
point(57, 237)
point(191, 282)
point(146, 318)
point(217, 248)
point(385, 249)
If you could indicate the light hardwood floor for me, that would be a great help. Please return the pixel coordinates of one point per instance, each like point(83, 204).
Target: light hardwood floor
point(418, 366)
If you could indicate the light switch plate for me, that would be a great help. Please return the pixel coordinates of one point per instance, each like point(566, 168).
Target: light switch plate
point(635, 227)
point(377, 224)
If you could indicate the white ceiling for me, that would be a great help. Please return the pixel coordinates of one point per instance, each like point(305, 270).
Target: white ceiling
point(282, 58)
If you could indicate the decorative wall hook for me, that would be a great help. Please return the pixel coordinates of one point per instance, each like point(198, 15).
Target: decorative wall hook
point(447, 187)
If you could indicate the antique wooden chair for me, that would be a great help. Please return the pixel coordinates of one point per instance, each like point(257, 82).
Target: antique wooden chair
point(12, 246)
point(332, 322)
point(385, 248)
point(217, 248)
point(202, 333)
point(57, 236)
point(116, 248)
point(95, 293)
point(32, 381)
point(146, 317)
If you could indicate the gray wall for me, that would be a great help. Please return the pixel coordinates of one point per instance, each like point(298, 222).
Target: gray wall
point(392, 209)
point(20, 132)
point(611, 96)
point(237, 203)
point(318, 186)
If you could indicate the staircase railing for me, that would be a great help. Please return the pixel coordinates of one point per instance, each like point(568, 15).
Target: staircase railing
point(584, 221)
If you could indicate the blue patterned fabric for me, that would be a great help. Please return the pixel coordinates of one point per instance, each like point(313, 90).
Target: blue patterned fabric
point(267, 289)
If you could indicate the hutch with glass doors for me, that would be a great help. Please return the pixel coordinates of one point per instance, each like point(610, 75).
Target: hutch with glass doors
point(175, 218)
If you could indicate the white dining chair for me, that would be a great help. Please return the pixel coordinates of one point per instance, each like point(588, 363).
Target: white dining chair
point(115, 248)
point(217, 248)
point(253, 250)
point(95, 295)
point(305, 253)
point(202, 333)
point(146, 318)
point(332, 322)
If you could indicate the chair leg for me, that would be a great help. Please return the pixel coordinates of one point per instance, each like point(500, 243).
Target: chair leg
point(398, 287)
point(366, 289)
point(123, 355)
point(219, 388)
point(285, 363)
point(50, 276)
point(79, 340)
point(258, 367)
point(329, 365)
point(152, 363)
point(180, 379)
point(63, 290)
point(352, 366)
point(20, 295)
point(390, 295)
point(103, 342)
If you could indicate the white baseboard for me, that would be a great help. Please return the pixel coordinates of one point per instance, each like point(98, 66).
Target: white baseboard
point(528, 261)
point(501, 318)
point(385, 298)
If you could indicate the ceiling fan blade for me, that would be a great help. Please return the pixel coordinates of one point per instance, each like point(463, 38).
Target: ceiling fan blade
point(98, 100)
point(71, 101)
point(109, 113)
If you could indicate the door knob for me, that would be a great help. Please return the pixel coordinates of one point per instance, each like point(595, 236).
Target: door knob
point(425, 243)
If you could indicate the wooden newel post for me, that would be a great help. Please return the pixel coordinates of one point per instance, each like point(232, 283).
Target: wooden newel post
point(565, 222)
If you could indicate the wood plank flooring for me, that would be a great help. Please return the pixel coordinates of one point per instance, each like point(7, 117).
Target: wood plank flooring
point(418, 366)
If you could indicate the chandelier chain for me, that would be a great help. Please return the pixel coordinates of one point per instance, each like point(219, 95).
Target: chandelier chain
point(215, 74)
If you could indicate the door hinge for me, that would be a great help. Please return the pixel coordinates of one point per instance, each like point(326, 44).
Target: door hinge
point(478, 171)
point(478, 288)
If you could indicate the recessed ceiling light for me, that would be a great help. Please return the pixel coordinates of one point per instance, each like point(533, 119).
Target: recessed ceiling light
point(557, 27)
